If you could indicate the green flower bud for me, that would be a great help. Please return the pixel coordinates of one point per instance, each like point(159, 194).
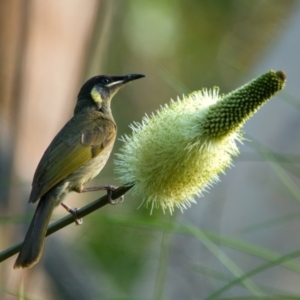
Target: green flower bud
point(177, 153)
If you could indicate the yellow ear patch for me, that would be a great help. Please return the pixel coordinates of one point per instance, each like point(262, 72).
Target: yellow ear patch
point(96, 95)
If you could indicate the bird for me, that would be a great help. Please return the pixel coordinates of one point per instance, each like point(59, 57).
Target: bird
point(75, 156)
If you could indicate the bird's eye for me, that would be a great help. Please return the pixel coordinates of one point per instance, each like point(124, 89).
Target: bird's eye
point(105, 81)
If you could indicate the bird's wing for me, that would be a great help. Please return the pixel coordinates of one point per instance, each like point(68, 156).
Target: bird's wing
point(69, 150)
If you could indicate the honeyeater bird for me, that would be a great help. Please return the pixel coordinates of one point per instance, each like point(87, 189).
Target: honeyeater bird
point(75, 156)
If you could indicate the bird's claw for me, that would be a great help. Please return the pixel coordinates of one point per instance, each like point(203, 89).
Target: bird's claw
point(110, 189)
point(73, 212)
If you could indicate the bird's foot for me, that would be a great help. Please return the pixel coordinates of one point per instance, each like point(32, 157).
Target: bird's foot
point(73, 212)
point(108, 188)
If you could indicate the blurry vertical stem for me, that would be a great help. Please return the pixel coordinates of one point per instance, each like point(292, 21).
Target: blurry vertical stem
point(18, 83)
point(163, 262)
point(99, 40)
point(21, 294)
point(170, 79)
point(225, 260)
point(278, 169)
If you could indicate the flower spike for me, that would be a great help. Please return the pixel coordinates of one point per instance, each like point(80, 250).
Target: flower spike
point(178, 152)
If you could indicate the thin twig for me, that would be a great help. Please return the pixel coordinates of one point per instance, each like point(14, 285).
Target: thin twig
point(69, 219)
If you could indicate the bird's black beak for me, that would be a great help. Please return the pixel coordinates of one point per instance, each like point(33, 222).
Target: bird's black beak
point(118, 81)
point(132, 77)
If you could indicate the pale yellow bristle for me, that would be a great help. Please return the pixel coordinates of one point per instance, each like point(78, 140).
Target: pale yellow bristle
point(178, 152)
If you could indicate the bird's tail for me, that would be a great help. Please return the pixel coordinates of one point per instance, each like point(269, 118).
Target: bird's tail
point(34, 240)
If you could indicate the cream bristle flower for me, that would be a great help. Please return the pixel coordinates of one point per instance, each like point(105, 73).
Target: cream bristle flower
point(178, 152)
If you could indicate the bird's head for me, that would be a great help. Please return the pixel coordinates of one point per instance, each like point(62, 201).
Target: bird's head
point(98, 91)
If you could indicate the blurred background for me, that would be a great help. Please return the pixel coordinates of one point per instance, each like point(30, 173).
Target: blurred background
point(241, 241)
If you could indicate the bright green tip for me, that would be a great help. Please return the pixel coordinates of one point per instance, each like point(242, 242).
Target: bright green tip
point(177, 153)
point(232, 111)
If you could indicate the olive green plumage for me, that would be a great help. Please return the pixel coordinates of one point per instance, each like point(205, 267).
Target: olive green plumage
point(75, 156)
